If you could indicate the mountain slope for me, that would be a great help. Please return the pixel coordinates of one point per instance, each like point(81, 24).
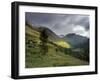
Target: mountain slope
point(55, 55)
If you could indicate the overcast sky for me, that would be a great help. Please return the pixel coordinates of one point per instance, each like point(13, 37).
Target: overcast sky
point(61, 24)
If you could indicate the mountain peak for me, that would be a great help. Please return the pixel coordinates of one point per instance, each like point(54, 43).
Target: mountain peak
point(75, 39)
point(75, 35)
point(61, 36)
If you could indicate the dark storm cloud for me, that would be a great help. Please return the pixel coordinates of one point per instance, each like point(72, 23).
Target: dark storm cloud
point(61, 24)
point(43, 19)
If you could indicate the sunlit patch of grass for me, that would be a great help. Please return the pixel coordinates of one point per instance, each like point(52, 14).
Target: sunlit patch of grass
point(63, 44)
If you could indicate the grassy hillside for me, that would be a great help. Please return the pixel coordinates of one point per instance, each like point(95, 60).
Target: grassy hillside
point(55, 55)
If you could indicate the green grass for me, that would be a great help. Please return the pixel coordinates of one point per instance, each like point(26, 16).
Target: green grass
point(51, 59)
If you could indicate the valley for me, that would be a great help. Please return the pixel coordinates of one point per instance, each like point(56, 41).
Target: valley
point(51, 50)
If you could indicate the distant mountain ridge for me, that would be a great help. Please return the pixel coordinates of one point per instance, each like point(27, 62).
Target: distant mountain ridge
point(75, 39)
point(61, 36)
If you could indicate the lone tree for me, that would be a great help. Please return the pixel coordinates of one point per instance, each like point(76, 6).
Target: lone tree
point(44, 40)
